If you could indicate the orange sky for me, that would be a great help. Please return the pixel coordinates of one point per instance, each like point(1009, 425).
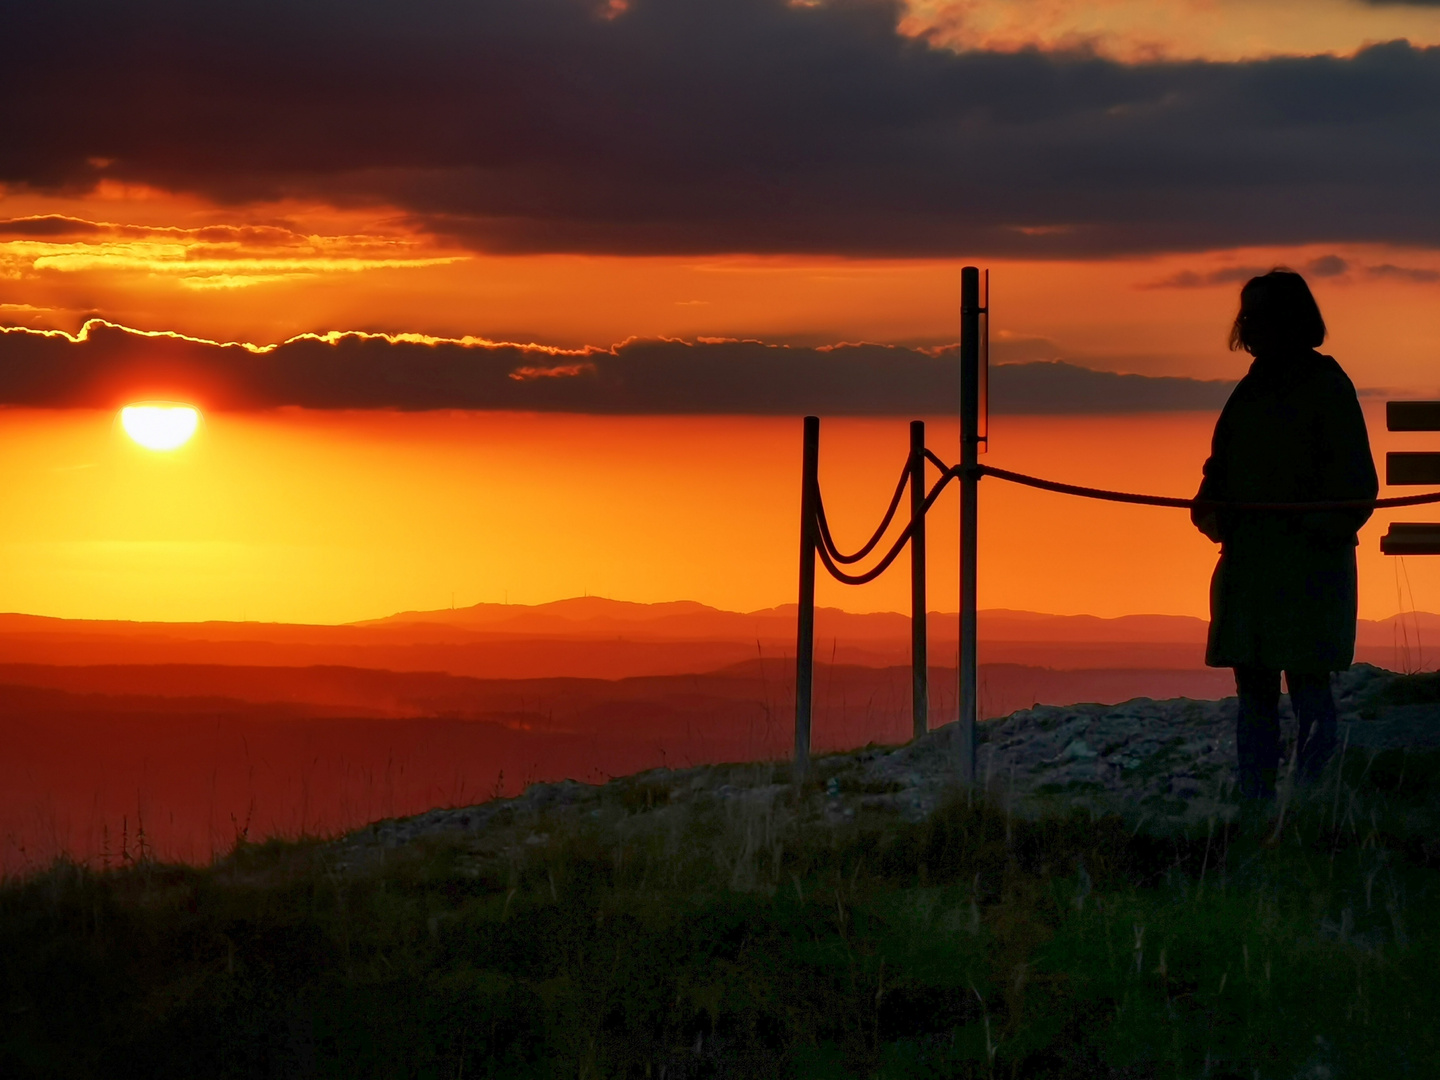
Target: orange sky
point(335, 516)
point(327, 517)
point(281, 269)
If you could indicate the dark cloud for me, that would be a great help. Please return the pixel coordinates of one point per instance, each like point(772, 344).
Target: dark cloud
point(1420, 274)
point(49, 225)
point(1327, 266)
point(110, 366)
point(1058, 387)
point(1322, 267)
point(1193, 279)
point(716, 125)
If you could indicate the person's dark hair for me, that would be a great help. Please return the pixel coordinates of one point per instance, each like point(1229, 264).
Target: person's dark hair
point(1277, 313)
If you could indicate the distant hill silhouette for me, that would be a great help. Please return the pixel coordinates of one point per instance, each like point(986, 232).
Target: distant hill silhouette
point(592, 637)
point(1101, 642)
point(596, 615)
point(196, 728)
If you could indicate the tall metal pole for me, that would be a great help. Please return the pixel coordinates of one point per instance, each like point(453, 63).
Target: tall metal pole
point(919, 652)
point(805, 623)
point(969, 492)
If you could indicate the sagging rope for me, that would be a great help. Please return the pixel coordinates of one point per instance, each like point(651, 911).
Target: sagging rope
point(1192, 504)
point(830, 554)
point(828, 542)
point(827, 551)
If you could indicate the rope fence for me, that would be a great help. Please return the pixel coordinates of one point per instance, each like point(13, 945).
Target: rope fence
point(832, 557)
point(1200, 504)
point(817, 540)
point(821, 539)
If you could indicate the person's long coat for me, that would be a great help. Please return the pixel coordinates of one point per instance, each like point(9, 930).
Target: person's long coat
point(1284, 594)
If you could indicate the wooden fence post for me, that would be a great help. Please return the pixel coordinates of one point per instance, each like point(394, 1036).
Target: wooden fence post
point(919, 652)
point(969, 500)
point(805, 634)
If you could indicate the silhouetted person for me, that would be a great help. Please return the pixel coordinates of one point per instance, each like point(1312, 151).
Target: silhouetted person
point(1283, 597)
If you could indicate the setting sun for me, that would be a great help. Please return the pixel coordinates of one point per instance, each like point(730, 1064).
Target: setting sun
point(160, 425)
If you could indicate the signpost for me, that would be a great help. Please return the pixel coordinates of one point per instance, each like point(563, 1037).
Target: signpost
point(970, 439)
point(1410, 468)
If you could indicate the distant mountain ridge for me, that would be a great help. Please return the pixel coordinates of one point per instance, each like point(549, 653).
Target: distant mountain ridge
point(593, 637)
point(687, 618)
point(594, 615)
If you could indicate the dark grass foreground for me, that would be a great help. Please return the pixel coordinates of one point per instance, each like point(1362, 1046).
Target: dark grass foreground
point(975, 944)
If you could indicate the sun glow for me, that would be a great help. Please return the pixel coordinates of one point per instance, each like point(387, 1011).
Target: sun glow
point(160, 425)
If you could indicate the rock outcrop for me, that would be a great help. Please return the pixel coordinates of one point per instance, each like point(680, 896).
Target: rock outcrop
point(1159, 761)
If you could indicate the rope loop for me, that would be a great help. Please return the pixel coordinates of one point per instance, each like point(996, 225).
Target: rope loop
point(828, 542)
point(832, 557)
point(825, 548)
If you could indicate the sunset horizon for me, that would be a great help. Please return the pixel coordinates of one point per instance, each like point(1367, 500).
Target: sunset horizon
point(306, 293)
point(643, 539)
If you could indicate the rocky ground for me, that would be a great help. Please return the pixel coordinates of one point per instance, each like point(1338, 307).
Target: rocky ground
point(1162, 762)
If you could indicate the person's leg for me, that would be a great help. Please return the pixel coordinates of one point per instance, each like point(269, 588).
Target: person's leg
point(1257, 730)
point(1315, 721)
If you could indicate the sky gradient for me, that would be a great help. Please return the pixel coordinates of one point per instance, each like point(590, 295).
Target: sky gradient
point(460, 287)
point(329, 516)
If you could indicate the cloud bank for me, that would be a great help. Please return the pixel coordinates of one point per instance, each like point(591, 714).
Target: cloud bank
point(688, 126)
point(1325, 266)
point(106, 366)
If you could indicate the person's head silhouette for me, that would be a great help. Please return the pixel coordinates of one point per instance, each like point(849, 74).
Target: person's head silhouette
point(1277, 315)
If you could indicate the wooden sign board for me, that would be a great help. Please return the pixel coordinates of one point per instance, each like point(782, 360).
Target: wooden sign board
point(1411, 468)
point(1412, 415)
point(1411, 538)
point(1407, 467)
